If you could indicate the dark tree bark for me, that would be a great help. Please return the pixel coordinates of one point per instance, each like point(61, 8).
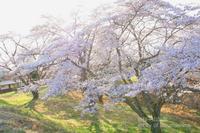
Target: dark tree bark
point(35, 95)
point(101, 99)
point(153, 106)
point(155, 126)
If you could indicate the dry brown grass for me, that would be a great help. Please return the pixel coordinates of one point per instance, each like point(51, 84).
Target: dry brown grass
point(180, 110)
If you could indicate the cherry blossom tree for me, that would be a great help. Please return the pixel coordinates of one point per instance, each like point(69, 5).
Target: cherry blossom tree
point(18, 50)
point(149, 39)
point(166, 31)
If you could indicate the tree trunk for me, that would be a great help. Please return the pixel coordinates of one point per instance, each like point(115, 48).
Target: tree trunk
point(154, 122)
point(31, 104)
point(35, 95)
point(83, 75)
point(83, 78)
point(155, 126)
point(101, 99)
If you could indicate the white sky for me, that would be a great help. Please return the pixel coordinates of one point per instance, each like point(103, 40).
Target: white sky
point(20, 15)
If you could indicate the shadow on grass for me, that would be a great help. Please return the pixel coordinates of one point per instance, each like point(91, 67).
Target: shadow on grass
point(49, 124)
point(25, 118)
point(173, 123)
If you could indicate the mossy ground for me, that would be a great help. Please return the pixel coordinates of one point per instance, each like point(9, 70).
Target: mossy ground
point(57, 115)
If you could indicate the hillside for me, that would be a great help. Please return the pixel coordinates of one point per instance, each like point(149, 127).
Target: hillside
point(58, 115)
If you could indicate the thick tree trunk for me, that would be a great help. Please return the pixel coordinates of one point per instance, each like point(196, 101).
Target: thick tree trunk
point(83, 75)
point(101, 99)
point(155, 126)
point(154, 110)
point(83, 78)
point(35, 95)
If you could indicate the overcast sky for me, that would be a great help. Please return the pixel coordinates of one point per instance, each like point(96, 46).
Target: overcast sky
point(20, 15)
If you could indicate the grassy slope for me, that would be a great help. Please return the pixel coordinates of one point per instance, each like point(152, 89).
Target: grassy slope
point(58, 115)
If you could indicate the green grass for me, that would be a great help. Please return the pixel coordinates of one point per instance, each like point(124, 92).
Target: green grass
point(57, 115)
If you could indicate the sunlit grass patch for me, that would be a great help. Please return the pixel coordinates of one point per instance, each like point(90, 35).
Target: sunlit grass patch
point(14, 98)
